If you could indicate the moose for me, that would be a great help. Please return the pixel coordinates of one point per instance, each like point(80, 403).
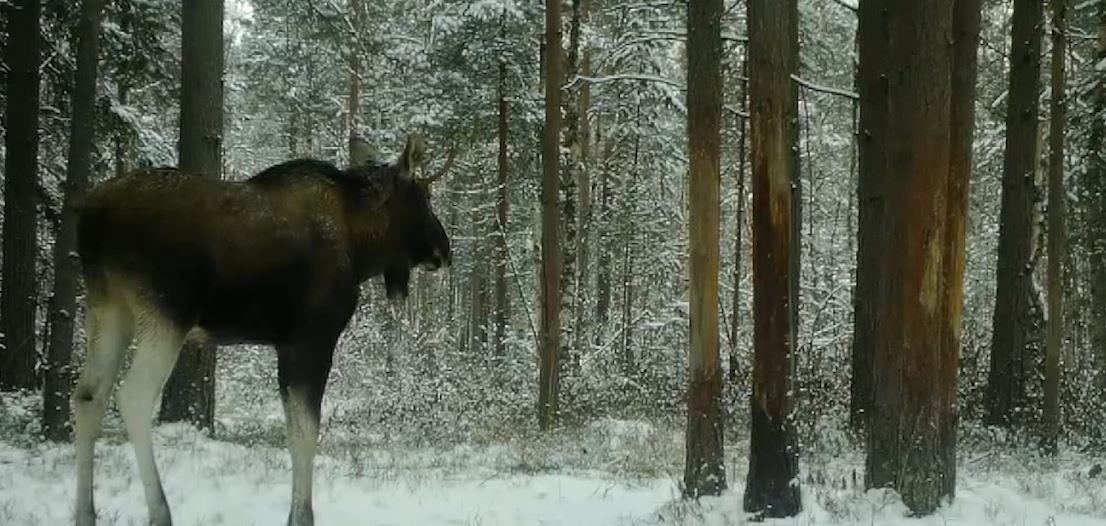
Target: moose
point(277, 259)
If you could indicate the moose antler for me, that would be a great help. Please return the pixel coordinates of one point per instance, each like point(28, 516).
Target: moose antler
point(445, 168)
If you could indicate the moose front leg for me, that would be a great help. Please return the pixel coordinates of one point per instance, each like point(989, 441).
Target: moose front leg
point(303, 370)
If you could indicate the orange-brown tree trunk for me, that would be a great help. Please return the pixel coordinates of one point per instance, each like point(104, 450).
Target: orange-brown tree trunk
point(912, 434)
point(772, 489)
point(704, 471)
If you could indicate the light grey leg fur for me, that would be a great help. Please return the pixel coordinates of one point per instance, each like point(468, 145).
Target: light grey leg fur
point(303, 438)
point(108, 327)
point(158, 343)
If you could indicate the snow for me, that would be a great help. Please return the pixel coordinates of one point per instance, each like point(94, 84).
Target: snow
point(213, 482)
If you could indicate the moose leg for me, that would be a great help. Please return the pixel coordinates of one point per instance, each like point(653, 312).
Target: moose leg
point(302, 374)
point(158, 345)
point(108, 327)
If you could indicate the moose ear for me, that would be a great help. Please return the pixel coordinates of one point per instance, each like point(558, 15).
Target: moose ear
point(413, 154)
point(361, 153)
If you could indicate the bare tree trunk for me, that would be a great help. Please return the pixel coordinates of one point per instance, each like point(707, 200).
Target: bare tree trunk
point(569, 285)
point(583, 184)
point(551, 252)
point(1095, 183)
point(19, 298)
point(872, 73)
point(1057, 232)
point(63, 303)
point(1014, 319)
point(501, 209)
point(912, 433)
point(739, 226)
point(704, 469)
point(190, 391)
point(604, 246)
point(772, 488)
point(357, 20)
point(122, 134)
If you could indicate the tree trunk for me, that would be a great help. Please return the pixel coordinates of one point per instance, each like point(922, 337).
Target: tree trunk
point(1057, 210)
point(1095, 184)
point(1014, 319)
point(704, 471)
point(501, 209)
point(19, 298)
point(772, 488)
point(583, 185)
point(190, 392)
point(550, 244)
point(122, 134)
point(353, 103)
point(569, 286)
point(63, 303)
point(912, 433)
point(739, 226)
point(604, 246)
point(872, 73)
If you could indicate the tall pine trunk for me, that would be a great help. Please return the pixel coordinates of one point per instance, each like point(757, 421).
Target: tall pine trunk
point(19, 296)
point(63, 303)
point(190, 392)
point(1015, 323)
point(549, 377)
point(704, 471)
point(772, 489)
point(1095, 184)
point(1057, 232)
point(582, 323)
point(501, 209)
point(912, 433)
point(872, 73)
point(739, 226)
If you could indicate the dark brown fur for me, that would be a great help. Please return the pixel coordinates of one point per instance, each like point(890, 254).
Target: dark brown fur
point(260, 259)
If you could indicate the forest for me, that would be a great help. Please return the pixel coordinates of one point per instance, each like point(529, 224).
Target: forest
point(708, 262)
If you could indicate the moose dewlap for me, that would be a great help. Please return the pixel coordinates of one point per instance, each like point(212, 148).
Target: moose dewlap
point(277, 259)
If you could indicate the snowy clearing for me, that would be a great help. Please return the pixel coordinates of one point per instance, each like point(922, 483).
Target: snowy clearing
point(211, 482)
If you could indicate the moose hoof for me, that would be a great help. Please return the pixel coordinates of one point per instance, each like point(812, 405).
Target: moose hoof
point(87, 518)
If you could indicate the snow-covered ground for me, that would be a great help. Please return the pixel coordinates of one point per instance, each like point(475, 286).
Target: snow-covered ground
point(211, 482)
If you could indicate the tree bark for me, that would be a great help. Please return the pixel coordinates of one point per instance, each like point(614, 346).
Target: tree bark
point(569, 225)
point(1014, 320)
point(1095, 184)
point(190, 392)
point(772, 489)
point(583, 185)
point(19, 298)
point(912, 434)
point(501, 209)
point(63, 303)
point(739, 226)
point(704, 471)
point(549, 376)
point(1057, 232)
point(872, 73)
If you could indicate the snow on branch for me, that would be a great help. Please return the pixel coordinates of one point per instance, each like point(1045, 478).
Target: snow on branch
point(825, 89)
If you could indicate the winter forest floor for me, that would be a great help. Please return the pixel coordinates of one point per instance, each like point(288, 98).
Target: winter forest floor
point(610, 472)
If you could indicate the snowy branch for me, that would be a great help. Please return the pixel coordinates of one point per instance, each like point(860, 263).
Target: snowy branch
point(825, 89)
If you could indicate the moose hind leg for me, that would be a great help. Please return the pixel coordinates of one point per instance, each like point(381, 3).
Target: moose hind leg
point(302, 374)
point(158, 345)
point(108, 327)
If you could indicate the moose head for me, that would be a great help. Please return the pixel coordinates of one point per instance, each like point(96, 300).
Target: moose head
point(420, 239)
